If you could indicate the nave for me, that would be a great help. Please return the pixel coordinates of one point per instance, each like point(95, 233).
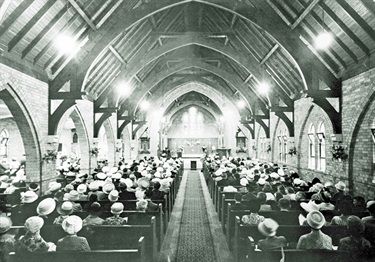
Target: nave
point(194, 232)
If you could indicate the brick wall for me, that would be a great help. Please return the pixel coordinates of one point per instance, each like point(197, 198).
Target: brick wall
point(358, 118)
point(27, 98)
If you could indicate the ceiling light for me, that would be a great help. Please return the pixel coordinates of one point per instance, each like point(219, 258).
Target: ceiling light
point(263, 87)
point(124, 88)
point(323, 41)
point(65, 43)
point(145, 105)
point(241, 104)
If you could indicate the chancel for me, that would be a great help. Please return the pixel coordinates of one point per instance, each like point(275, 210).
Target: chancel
point(194, 130)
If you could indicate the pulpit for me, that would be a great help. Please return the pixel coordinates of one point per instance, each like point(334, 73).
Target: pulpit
point(223, 152)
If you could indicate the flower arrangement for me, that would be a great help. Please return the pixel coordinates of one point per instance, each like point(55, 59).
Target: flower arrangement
point(338, 152)
point(95, 151)
point(63, 158)
point(241, 149)
point(51, 155)
point(292, 151)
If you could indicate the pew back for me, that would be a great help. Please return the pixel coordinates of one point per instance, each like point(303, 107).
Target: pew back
point(136, 255)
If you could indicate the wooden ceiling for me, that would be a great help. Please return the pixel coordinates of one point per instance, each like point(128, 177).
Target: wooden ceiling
point(154, 44)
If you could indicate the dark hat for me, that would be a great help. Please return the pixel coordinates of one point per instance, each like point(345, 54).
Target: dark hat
point(95, 208)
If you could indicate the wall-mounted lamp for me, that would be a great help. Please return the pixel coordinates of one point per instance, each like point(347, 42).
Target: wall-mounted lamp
point(52, 142)
point(373, 133)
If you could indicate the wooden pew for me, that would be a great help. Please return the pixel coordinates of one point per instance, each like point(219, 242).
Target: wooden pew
point(291, 233)
point(294, 255)
point(107, 237)
point(136, 255)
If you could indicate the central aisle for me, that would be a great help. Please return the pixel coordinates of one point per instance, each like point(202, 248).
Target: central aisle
point(195, 241)
point(194, 232)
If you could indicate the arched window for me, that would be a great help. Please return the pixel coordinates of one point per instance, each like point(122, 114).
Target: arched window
point(311, 136)
point(321, 148)
point(4, 137)
point(75, 138)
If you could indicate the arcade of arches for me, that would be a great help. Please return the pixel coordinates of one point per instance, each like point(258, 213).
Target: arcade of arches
point(145, 75)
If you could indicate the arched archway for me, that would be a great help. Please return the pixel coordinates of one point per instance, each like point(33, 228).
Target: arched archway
point(83, 139)
point(27, 129)
point(231, 114)
point(111, 143)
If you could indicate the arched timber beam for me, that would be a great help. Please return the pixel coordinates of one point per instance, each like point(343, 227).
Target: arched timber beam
point(262, 14)
point(229, 78)
point(55, 117)
point(175, 110)
point(252, 66)
point(105, 35)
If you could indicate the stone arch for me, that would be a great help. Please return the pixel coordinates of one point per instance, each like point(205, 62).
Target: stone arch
point(367, 113)
point(83, 137)
point(126, 140)
point(111, 142)
point(27, 129)
point(230, 113)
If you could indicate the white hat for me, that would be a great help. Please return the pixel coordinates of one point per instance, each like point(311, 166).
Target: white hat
point(46, 207)
point(72, 224)
point(107, 188)
point(244, 181)
point(310, 206)
point(117, 208)
point(54, 186)
point(340, 186)
point(82, 188)
point(261, 181)
point(34, 224)
point(93, 186)
point(73, 195)
point(66, 208)
point(315, 219)
point(113, 195)
point(101, 176)
point(28, 196)
point(268, 227)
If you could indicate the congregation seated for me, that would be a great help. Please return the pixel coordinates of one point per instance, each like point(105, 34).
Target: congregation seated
point(75, 205)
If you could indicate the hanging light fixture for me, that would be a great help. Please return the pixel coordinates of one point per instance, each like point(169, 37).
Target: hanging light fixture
point(324, 39)
point(65, 42)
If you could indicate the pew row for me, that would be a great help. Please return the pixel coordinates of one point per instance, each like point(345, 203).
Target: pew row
point(136, 255)
point(291, 233)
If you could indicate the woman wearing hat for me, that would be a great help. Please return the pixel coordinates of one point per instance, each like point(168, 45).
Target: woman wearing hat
point(32, 241)
point(358, 246)
point(116, 210)
point(25, 209)
point(316, 239)
point(7, 241)
point(72, 225)
point(268, 228)
point(93, 218)
point(46, 210)
point(65, 209)
point(345, 208)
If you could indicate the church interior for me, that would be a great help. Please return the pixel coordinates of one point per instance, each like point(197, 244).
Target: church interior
point(209, 98)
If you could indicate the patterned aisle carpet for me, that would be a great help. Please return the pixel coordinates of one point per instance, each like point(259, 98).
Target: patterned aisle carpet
point(195, 242)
